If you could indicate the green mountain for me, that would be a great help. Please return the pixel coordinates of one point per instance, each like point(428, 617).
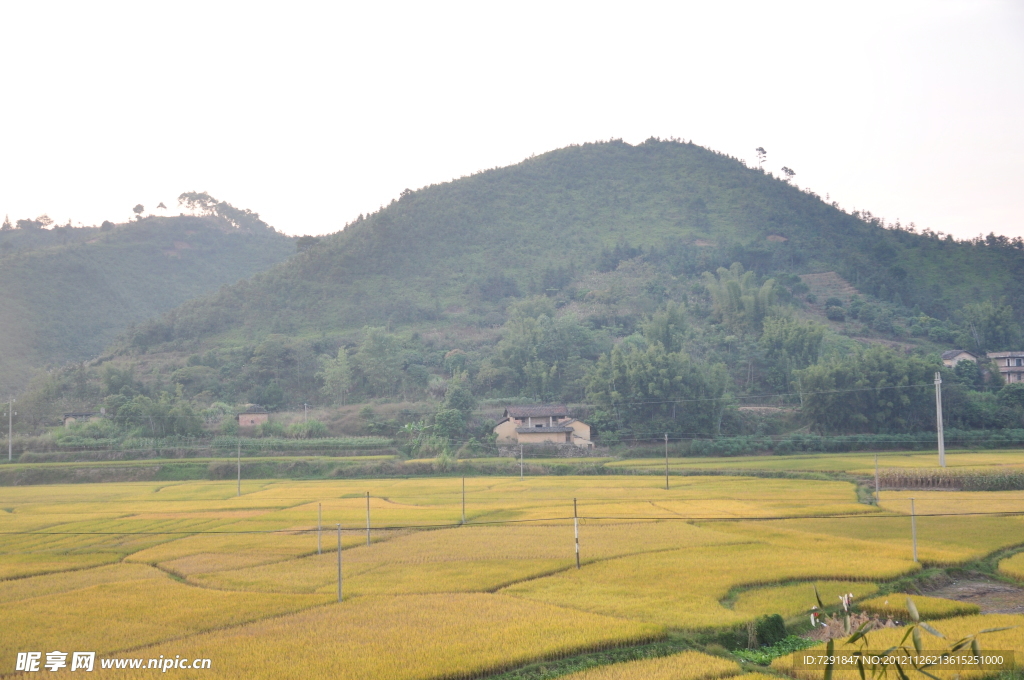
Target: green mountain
point(519, 281)
point(69, 292)
point(455, 250)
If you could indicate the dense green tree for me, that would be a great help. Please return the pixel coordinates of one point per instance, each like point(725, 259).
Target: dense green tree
point(988, 327)
point(647, 391)
point(739, 302)
point(542, 356)
point(788, 346)
point(875, 390)
point(378, 361)
point(336, 375)
point(449, 423)
point(667, 326)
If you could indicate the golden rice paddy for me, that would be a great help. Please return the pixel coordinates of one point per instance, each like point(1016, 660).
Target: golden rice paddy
point(192, 569)
point(685, 666)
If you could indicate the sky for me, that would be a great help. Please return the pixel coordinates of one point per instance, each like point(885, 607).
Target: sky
point(311, 113)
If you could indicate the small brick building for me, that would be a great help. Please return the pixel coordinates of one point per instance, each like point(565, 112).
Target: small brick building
point(545, 424)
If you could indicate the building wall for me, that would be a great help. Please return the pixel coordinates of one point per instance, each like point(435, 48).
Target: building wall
point(506, 431)
point(543, 437)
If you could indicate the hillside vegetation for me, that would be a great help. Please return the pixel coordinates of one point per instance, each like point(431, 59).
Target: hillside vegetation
point(68, 292)
point(661, 285)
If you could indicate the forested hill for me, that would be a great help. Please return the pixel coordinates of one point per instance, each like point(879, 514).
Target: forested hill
point(622, 278)
point(67, 293)
point(459, 251)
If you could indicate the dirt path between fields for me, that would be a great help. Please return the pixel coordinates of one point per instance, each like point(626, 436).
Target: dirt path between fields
point(992, 596)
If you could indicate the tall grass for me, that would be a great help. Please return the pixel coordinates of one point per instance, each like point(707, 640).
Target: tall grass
point(963, 480)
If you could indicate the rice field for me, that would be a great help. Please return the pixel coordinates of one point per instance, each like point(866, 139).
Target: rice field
point(193, 569)
point(685, 666)
point(1013, 566)
point(895, 607)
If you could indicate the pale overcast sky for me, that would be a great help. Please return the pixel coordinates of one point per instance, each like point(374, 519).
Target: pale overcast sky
point(311, 113)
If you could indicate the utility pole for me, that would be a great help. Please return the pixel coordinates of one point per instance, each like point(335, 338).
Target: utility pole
point(666, 461)
point(239, 467)
point(305, 411)
point(938, 419)
point(319, 525)
point(339, 563)
point(367, 519)
point(877, 498)
point(463, 500)
point(913, 527)
point(576, 531)
point(520, 462)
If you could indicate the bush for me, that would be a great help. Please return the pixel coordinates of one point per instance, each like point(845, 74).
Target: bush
point(812, 298)
point(835, 314)
point(833, 302)
point(270, 429)
point(770, 630)
point(312, 429)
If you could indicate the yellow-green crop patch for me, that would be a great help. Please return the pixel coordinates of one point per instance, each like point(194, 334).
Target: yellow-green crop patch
point(685, 666)
point(191, 568)
point(895, 606)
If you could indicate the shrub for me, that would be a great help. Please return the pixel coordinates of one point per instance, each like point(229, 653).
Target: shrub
point(270, 429)
point(770, 630)
point(835, 314)
point(812, 298)
point(833, 302)
point(312, 429)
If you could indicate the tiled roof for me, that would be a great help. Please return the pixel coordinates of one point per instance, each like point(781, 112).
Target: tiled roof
point(543, 411)
point(949, 354)
point(528, 430)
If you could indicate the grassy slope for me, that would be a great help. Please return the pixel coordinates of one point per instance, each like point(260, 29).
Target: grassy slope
point(426, 253)
point(70, 301)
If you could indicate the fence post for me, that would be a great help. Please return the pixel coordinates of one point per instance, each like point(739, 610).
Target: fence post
point(576, 531)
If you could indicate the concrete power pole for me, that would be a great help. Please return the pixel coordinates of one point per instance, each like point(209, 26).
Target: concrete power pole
point(938, 419)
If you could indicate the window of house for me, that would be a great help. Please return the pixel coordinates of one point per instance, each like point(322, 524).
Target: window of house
point(540, 425)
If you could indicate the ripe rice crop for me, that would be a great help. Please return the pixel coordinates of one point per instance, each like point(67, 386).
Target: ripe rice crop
point(51, 584)
point(685, 666)
point(797, 598)
point(463, 559)
point(1013, 566)
point(402, 638)
point(31, 564)
point(953, 629)
point(127, 614)
point(684, 587)
point(894, 606)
